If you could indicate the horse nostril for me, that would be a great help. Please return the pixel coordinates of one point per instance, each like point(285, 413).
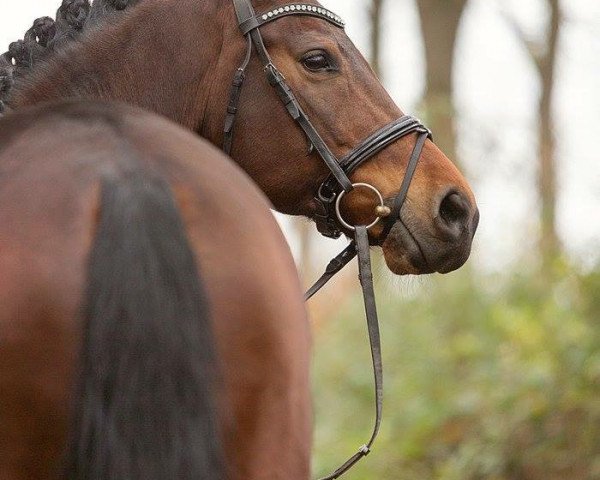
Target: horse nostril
point(454, 214)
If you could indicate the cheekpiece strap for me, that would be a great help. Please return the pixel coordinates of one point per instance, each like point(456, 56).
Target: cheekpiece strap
point(258, 21)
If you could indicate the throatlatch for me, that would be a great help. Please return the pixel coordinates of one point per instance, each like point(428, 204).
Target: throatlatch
point(329, 219)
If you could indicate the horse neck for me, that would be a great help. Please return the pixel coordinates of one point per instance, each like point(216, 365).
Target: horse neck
point(161, 56)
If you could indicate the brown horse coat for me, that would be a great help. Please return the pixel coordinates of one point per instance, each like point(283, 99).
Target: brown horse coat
point(52, 160)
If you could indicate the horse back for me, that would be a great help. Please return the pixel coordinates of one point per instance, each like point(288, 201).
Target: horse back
point(52, 162)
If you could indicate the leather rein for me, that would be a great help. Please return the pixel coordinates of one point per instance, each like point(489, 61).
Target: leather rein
point(329, 219)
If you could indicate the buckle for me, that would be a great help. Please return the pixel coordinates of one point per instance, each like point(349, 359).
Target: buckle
point(274, 75)
point(326, 194)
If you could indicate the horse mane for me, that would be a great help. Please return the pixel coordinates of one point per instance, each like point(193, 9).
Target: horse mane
point(48, 36)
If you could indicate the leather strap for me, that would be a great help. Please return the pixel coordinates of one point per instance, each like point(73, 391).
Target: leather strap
point(374, 144)
point(339, 262)
point(402, 194)
point(335, 266)
point(360, 245)
point(243, 10)
point(381, 140)
point(234, 100)
point(277, 80)
point(361, 240)
point(258, 21)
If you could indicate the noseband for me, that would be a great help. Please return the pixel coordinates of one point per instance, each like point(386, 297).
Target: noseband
point(328, 218)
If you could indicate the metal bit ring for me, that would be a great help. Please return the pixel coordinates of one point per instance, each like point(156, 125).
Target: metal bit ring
point(338, 202)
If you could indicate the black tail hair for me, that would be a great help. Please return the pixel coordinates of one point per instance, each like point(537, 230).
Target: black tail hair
point(144, 405)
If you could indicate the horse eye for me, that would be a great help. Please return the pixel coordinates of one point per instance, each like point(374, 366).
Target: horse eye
point(317, 62)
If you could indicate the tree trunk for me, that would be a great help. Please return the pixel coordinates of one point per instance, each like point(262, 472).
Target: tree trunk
point(376, 22)
point(545, 58)
point(440, 21)
point(547, 188)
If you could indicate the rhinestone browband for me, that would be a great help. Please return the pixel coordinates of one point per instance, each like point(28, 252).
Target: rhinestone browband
point(292, 9)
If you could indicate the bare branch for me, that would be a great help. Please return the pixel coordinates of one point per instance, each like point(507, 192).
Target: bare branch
point(533, 49)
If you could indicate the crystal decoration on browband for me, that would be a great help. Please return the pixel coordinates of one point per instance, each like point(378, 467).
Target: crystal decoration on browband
point(302, 9)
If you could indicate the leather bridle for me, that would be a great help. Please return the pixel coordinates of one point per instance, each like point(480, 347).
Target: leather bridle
point(329, 219)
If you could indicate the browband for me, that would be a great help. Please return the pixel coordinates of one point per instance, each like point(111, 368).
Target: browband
point(258, 21)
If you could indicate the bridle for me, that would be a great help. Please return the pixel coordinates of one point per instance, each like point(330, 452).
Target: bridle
point(329, 219)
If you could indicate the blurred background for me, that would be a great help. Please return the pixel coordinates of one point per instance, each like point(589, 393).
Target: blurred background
point(492, 372)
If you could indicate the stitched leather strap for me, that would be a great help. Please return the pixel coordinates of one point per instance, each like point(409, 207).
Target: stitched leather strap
point(381, 140)
point(258, 21)
point(243, 10)
point(234, 101)
point(376, 143)
point(361, 240)
point(277, 80)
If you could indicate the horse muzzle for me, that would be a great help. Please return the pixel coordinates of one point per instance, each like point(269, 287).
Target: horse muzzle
point(440, 244)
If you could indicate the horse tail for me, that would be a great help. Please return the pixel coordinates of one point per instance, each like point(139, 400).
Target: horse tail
point(144, 404)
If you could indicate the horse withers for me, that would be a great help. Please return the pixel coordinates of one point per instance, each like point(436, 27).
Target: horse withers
point(150, 306)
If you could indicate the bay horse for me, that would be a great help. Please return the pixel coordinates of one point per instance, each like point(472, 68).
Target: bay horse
point(177, 58)
point(129, 235)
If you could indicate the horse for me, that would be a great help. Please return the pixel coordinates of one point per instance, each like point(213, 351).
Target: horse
point(152, 322)
point(177, 58)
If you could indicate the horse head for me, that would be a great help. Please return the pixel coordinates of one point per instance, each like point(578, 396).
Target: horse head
point(346, 103)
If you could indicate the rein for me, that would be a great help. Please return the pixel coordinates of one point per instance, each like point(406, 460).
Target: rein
point(329, 219)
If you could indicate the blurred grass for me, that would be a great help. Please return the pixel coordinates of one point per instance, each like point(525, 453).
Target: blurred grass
point(487, 377)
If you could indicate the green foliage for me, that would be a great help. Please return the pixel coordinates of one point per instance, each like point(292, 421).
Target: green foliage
point(487, 377)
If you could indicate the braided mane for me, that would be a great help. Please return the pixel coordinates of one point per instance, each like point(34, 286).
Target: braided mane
point(47, 36)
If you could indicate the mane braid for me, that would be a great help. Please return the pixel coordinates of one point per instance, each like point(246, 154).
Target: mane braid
point(102, 9)
point(70, 20)
point(42, 31)
point(48, 36)
point(6, 78)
